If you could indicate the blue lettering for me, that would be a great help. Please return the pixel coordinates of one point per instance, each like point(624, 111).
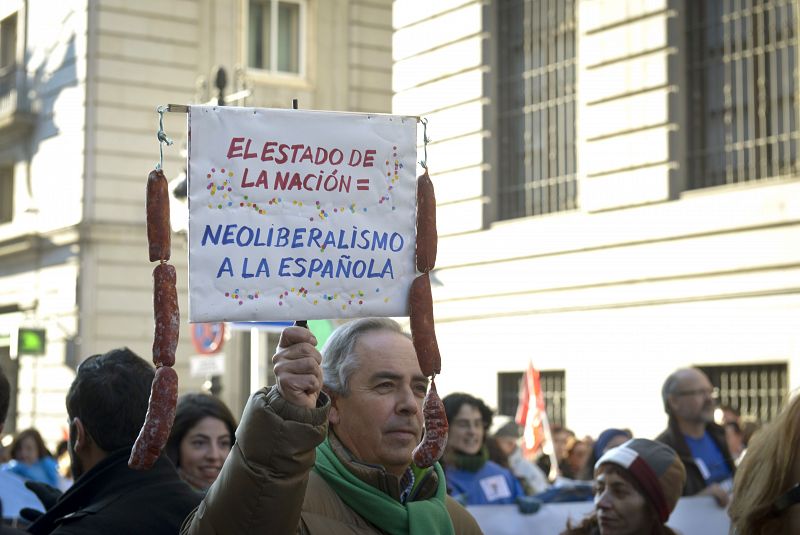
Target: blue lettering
point(227, 239)
point(283, 237)
point(313, 237)
point(263, 267)
point(208, 234)
point(225, 267)
point(297, 240)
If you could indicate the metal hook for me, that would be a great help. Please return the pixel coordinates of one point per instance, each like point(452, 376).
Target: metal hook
point(425, 140)
point(162, 136)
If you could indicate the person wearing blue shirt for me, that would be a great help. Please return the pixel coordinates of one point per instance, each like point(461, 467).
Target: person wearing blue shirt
point(689, 402)
point(471, 477)
point(31, 460)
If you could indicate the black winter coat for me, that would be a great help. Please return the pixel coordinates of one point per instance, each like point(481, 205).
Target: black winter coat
point(112, 498)
point(673, 438)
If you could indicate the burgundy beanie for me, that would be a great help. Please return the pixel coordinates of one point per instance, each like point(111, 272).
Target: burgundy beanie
point(655, 466)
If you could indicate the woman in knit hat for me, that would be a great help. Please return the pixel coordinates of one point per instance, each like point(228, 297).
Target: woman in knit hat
point(637, 487)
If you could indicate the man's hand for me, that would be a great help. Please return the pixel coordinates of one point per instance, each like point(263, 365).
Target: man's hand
point(717, 492)
point(47, 495)
point(297, 367)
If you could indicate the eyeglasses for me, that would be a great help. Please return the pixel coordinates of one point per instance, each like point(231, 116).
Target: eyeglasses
point(790, 498)
point(713, 393)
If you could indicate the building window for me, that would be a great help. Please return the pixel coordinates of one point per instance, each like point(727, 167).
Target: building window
point(756, 390)
point(8, 63)
point(535, 107)
point(275, 36)
point(742, 94)
point(553, 389)
point(6, 194)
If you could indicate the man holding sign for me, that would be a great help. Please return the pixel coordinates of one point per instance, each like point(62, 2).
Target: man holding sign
point(328, 448)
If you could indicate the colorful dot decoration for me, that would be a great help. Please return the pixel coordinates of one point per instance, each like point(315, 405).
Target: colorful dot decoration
point(238, 296)
point(345, 300)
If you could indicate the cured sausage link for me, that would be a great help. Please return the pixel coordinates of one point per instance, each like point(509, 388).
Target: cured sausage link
point(423, 334)
point(158, 421)
point(427, 237)
point(431, 448)
point(159, 238)
point(167, 315)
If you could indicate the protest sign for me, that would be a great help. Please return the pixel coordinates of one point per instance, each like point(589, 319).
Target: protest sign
point(297, 214)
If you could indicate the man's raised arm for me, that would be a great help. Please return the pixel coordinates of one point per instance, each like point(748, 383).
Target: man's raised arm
point(262, 485)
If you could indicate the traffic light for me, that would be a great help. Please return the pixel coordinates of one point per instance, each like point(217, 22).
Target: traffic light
point(31, 341)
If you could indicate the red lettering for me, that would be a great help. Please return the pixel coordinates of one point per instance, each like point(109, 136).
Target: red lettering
point(307, 155)
point(355, 158)
point(281, 179)
point(245, 183)
point(232, 150)
point(369, 157)
point(283, 156)
point(267, 151)
point(262, 180)
point(296, 182)
point(247, 153)
point(296, 148)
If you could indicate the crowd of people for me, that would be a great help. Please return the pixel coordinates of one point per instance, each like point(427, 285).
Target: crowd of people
point(327, 449)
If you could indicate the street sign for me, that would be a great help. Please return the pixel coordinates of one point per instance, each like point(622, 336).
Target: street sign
point(207, 365)
point(207, 338)
point(31, 341)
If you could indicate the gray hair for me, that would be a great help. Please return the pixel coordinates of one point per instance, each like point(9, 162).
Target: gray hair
point(671, 385)
point(339, 360)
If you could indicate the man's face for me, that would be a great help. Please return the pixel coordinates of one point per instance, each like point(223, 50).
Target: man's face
point(380, 420)
point(692, 401)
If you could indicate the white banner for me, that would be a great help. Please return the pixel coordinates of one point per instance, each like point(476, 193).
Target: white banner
point(299, 214)
point(696, 515)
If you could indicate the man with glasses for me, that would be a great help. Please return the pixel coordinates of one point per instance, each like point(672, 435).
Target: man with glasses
point(689, 401)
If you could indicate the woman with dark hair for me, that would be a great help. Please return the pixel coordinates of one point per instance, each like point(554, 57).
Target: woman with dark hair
point(201, 438)
point(471, 477)
point(637, 486)
point(610, 438)
point(30, 458)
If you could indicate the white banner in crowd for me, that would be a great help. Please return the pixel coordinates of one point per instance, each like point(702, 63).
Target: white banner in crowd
point(697, 515)
point(298, 214)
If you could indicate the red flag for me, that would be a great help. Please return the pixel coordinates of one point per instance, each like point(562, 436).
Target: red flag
point(531, 412)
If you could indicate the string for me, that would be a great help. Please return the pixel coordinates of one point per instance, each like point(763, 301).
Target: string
point(162, 136)
point(425, 140)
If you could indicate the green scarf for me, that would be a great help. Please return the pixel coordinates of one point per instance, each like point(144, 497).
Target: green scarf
point(424, 517)
point(470, 463)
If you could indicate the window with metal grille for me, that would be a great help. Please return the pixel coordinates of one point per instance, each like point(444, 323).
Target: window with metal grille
point(756, 390)
point(535, 107)
point(742, 91)
point(553, 389)
point(6, 194)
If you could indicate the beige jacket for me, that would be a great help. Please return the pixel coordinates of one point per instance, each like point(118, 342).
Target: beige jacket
point(267, 485)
